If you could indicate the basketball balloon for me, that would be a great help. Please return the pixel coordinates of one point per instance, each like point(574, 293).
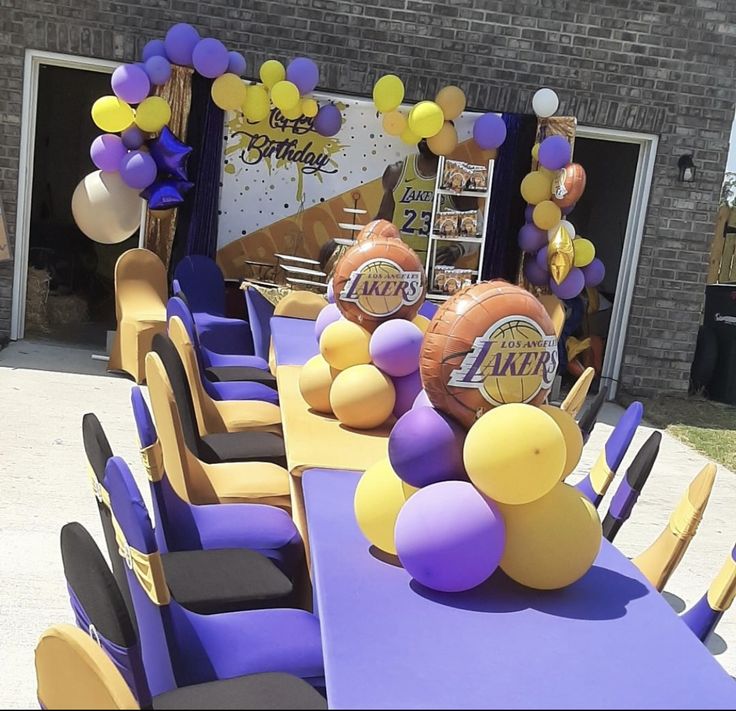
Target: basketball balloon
point(568, 185)
point(379, 229)
point(488, 345)
point(377, 280)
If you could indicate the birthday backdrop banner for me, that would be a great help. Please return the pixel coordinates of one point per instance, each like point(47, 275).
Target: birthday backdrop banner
point(284, 186)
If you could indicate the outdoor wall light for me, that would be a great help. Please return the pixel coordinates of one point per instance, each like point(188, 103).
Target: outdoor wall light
point(687, 168)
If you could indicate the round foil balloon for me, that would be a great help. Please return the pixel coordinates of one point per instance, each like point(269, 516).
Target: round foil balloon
point(377, 280)
point(488, 345)
point(378, 229)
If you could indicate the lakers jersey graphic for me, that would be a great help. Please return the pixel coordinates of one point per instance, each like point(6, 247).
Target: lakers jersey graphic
point(413, 197)
point(511, 362)
point(380, 287)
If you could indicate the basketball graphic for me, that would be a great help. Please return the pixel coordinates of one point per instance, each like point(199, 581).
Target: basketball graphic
point(379, 279)
point(378, 229)
point(490, 344)
point(568, 185)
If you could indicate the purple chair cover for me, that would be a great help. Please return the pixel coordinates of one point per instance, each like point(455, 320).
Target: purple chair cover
point(203, 285)
point(127, 660)
point(209, 358)
point(208, 647)
point(184, 527)
point(260, 311)
point(615, 448)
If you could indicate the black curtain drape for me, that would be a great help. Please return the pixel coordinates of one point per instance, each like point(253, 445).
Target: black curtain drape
point(506, 213)
point(196, 230)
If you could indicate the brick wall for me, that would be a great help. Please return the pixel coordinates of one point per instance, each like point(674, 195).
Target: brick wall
point(667, 68)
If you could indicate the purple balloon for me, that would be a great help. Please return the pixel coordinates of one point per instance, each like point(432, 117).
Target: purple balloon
point(153, 48)
point(107, 151)
point(304, 73)
point(132, 138)
point(130, 83)
point(571, 286)
point(531, 238)
point(210, 58)
point(529, 213)
point(181, 39)
point(236, 63)
point(138, 170)
point(426, 446)
point(407, 390)
point(449, 537)
point(554, 152)
point(166, 193)
point(330, 292)
point(489, 131)
point(328, 120)
point(594, 272)
point(534, 273)
point(329, 314)
point(422, 400)
point(158, 70)
point(170, 153)
point(395, 347)
point(541, 259)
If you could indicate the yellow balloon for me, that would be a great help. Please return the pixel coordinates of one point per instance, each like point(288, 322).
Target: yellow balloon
point(572, 434)
point(379, 496)
point(426, 119)
point(344, 344)
point(409, 137)
point(451, 99)
point(293, 114)
point(551, 542)
point(257, 104)
point(560, 255)
point(445, 141)
point(535, 151)
point(152, 114)
point(309, 108)
point(285, 95)
point(394, 123)
point(546, 215)
point(362, 397)
point(272, 72)
point(315, 381)
point(536, 187)
point(228, 92)
point(388, 93)
point(111, 114)
point(421, 322)
point(510, 468)
point(584, 251)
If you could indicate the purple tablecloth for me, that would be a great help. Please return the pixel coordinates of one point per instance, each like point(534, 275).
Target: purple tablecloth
point(293, 340)
point(609, 641)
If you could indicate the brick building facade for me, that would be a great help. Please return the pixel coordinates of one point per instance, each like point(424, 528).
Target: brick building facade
point(666, 68)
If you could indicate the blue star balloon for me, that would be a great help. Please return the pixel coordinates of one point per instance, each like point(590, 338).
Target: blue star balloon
point(170, 153)
point(166, 193)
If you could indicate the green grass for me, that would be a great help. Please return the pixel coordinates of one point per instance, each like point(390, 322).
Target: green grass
point(706, 426)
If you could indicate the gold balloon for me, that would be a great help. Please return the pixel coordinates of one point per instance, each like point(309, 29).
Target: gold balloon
point(560, 255)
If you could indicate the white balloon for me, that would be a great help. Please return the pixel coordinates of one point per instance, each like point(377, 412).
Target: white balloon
point(105, 208)
point(545, 102)
point(566, 225)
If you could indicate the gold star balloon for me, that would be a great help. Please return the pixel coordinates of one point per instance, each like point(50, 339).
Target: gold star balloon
point(560, 255)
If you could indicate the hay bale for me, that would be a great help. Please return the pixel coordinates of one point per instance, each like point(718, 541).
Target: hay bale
point(37, 294)
point(66, 310)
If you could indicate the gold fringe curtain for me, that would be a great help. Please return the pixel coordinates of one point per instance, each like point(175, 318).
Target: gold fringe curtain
point(161, 224)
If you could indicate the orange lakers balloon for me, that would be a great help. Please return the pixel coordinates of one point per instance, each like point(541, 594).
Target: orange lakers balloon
point(379, 229)
point(377, 280)
point(488, 345)
point(568, 185)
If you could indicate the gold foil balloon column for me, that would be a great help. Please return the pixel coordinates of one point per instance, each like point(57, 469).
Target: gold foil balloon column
point(560, 255)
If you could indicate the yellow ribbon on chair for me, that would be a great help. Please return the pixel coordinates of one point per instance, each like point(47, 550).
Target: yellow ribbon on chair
point(98, 490)
point(153, 461)
point(601, 474)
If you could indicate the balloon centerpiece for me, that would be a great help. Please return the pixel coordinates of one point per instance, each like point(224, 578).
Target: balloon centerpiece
point(473, 478)
point(370, 336)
